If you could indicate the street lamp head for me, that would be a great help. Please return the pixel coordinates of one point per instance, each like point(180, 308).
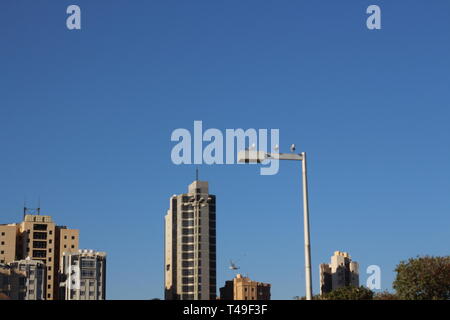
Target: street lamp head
point(251, 156)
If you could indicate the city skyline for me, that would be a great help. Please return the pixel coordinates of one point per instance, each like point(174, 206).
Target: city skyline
point(86, 118)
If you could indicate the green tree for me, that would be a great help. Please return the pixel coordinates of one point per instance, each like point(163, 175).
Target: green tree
point(423, 278)
point(349, 293)
point(385, 295)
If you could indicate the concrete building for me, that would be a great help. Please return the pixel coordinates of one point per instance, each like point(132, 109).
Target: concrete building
point(23, 280)
point(6, 279)
point(242, 288)
point(190, 245)
point(32, 284)
point(84, 275)
point(8, 238)
point(37, 237)
point(341, 272)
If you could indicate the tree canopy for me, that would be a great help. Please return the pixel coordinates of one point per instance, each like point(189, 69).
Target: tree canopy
point(423, 278)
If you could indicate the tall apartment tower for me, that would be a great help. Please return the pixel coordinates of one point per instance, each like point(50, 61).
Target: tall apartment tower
point(341, 272)
point(84, 273)
point(190, 245)
point(37, 237)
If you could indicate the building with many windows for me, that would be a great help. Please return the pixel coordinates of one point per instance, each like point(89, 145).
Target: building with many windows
point(23, 280)
point(37, 237)
point(341, 272)
point(190, 245)
point(242, 288)
point(83, 275)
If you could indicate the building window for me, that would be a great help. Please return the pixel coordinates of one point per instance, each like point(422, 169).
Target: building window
point(39, 253)
point(40, 227)
point(188, 231)
point(73, 237)
point(72, 246)
point(40, 244)
point(187, 264)
point(3, 233)
point(87, 263)
point(40, 235)
point(189, 255)
point(86, 273)
point(2, 252)
point(188, 288)
point(3, 243)
point(188, 239)
point(65, 237)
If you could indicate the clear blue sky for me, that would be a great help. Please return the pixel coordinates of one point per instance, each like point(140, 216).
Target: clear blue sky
point(86, 118)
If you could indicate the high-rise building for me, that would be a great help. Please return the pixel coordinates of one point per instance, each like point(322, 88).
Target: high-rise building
point(23, 280)
point(84, 275)
point(190, 245)
point(341, 272)
point(242, 288)
point(37, 237)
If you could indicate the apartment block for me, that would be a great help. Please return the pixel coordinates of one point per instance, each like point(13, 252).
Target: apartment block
point(23, 280)
point(8, 238)
point(243, 288)
point(341, 272)
point(38, 238)
point(84, 274)
point(190, 245)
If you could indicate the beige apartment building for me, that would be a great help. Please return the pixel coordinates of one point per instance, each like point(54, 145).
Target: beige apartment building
point(341, 272)
point(38, 238)
point(190, 245)
point(243, 288)
point(8, 237)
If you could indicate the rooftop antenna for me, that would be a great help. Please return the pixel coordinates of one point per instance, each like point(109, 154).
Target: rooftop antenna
point(196, 174)
point(24, 206)
point(32, 211)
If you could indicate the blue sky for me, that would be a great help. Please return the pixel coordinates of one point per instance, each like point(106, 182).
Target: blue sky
point(86, 118)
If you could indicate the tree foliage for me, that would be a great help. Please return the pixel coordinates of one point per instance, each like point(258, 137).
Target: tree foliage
point(385, 295)
point(349, 293)
point(423, 278)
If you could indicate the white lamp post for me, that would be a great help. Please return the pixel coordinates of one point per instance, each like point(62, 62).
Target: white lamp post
point(254, 156)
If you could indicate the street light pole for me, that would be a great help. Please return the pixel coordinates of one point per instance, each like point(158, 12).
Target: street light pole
point(308, 280)
point(254, 156)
